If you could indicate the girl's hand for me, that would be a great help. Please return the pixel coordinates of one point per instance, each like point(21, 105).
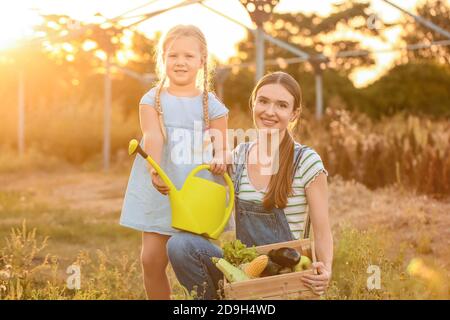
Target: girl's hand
point(158, 183)
point(218, 166)
point(318, 283)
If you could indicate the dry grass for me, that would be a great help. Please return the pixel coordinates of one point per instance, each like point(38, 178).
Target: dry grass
point(83, 229)
point(410, 151)
point(71, 134)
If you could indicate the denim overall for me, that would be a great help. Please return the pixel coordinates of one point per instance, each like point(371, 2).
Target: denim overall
point(190, 254)
point(256, 225)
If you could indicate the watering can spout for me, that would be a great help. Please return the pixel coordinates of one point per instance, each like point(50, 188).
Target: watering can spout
point(134, 147)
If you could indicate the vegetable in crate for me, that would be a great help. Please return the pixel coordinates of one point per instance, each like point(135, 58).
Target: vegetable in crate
point(257, 266)
point(271, 269)
point(304, 264)
point(286, 257)
point(237, 253)
point(285, 270)
point(230, 272)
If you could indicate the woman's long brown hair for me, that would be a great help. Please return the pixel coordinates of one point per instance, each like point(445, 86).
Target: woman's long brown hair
point(280, 185)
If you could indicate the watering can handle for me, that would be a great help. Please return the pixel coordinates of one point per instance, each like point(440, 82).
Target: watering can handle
point(230, 184)
point(134, 147)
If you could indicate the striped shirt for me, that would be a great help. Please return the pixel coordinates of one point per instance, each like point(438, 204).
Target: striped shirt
point(310, 167)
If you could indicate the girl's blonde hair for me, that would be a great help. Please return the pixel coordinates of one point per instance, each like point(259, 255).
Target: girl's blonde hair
point(280, 185)
point(173, 34)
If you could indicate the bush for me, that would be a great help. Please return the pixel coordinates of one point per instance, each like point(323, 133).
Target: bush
point(418, 88)
point(406, 150)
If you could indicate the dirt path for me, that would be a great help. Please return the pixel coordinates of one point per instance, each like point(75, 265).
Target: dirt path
point(87, 191)
point(422, 222)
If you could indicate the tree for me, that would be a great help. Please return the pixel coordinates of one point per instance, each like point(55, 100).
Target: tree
point(142, 62)
point(315, 35)
point(66, 62)
point(81, 48)
point(419, 87)
point(438, 12)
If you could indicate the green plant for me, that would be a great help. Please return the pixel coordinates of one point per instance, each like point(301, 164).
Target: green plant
point(237, 253)
point(21, 263)
point(232, 273)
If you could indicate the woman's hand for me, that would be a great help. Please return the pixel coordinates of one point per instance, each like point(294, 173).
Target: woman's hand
point(319, 282)
point(158, 183)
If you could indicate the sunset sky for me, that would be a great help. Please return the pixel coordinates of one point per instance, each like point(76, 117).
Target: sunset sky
point(17, 17)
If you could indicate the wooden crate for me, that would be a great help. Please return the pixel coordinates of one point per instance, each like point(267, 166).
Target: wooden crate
point(279, 287)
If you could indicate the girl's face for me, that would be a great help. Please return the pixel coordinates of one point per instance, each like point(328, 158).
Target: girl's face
point(183, 60)
point(273, 107)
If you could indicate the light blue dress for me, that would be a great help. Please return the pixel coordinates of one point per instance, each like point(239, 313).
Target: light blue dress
point(144, 208)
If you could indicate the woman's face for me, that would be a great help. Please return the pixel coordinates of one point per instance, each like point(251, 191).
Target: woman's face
point(273, 107)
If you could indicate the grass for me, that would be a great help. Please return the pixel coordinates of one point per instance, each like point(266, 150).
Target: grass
point(39, 242)
point(64, 226)
point(64, 135)
point(97, 243)
point(359, 252)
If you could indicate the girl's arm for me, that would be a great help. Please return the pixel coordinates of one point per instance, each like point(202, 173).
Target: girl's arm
point(220, 144)
point(153, 141)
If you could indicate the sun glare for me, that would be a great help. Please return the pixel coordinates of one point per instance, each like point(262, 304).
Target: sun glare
point(17, 19)
point(16, 22)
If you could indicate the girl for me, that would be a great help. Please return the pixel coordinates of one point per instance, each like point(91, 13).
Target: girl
point(169, 115)
point(271, 207)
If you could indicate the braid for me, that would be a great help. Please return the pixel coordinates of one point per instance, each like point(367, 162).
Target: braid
point(205, 94)
point(159, 109)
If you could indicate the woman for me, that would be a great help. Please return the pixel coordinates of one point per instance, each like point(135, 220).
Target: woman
point(271, 205)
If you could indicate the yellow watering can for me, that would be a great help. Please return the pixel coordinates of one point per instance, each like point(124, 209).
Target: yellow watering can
point(200, 206)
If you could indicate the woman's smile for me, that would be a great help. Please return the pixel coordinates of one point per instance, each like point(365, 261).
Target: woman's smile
point(268, 122)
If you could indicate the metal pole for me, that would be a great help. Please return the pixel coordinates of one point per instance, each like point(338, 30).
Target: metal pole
point(259, 47)
point(421, 20)
point(107, 114)
point(319, 95)
point(220, 91)
point(152, 14)
point(21, 114)
point(221, 77)
point(286, 46)
point(280, 43)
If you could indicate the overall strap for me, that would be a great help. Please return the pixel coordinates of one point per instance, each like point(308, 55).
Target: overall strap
point(299, 151)
point(241, 159)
